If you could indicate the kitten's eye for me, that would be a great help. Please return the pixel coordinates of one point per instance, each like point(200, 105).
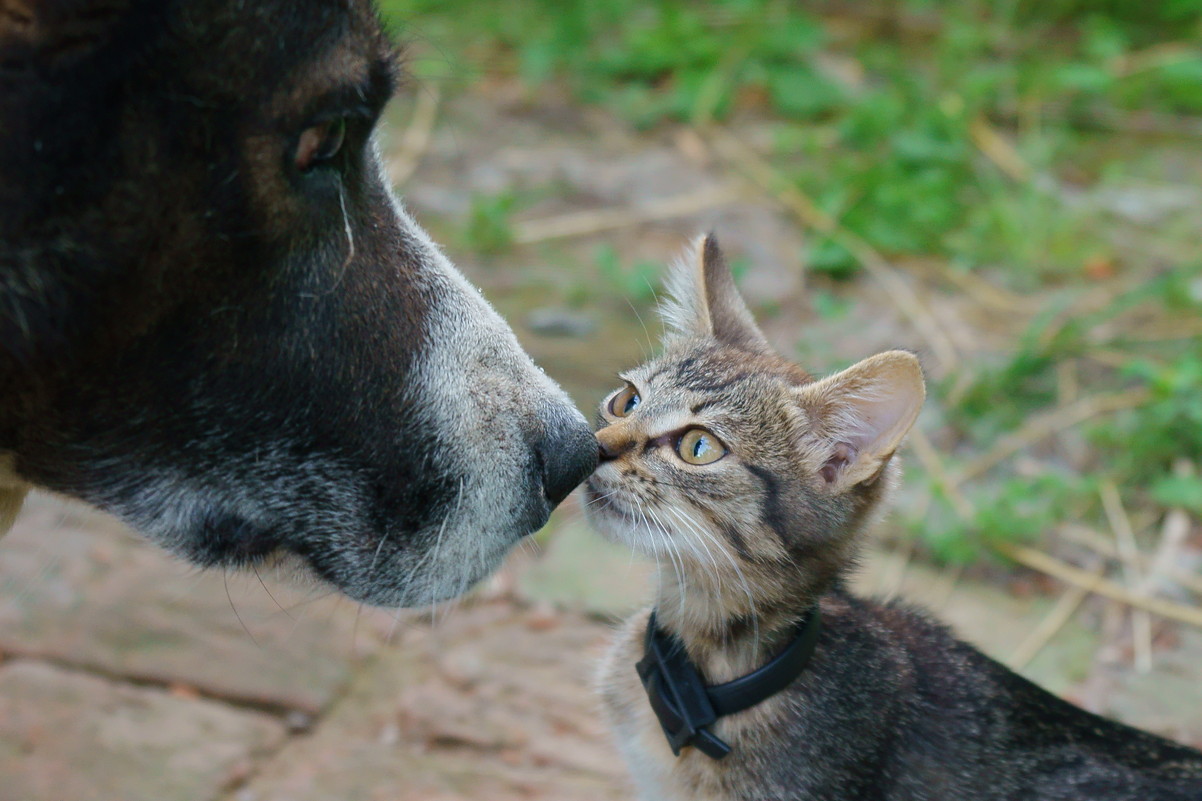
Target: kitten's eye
point(699, 446)
point(625, 401)
point(319, 143)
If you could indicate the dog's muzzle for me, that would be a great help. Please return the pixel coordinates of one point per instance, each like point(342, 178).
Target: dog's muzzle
point(567, 454)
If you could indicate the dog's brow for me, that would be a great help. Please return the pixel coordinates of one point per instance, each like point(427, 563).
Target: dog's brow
point(384, 76)
point(366, 96)
point(380, 84)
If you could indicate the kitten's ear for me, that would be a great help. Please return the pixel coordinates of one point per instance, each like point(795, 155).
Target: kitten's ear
point(704, 302)
point(859, 417)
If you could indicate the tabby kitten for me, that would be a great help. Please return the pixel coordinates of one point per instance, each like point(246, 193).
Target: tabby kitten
point(750, 482)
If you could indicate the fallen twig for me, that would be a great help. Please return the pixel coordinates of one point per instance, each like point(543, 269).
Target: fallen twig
point(945, 586)
point(1155, 57)
point(987, 294)
point(999, 150)
point(1111, 120)
point(416, 139)
point(1165, 331)
point(1046, 424)
point(768, 179)
point(1061, 613)
point(1124, 538)
point(934, 466)
point(582, 223)
point(893, 573)
point(1096, 542)
point(1173, 532)
point(1044, 563)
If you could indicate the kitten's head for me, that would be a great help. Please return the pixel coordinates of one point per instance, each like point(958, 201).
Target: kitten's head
point(728, 460)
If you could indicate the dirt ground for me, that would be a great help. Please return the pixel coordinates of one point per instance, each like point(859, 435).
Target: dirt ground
point(125, 675)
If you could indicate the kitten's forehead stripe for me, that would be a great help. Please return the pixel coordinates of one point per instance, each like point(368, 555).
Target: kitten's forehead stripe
point(685, 366)
point(651, 378)
point(710, 383)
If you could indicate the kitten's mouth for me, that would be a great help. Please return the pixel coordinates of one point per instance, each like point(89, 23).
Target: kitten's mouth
point(599, 501)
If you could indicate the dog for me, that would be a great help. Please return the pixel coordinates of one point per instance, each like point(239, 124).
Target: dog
point(219, 324)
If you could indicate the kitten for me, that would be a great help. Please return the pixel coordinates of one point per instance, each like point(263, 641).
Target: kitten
point(750, 483)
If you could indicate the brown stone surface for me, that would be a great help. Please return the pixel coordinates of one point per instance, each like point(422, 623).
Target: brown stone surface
point(68, 736)
point(493, 703)
point(77, 587)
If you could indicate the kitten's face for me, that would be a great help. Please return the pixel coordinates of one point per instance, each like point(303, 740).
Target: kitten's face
point(727, 461)
point(696, 445)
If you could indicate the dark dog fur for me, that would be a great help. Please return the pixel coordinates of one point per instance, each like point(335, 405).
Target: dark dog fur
point(245, 359)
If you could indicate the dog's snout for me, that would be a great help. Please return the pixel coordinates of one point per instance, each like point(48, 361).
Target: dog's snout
point(569, 455)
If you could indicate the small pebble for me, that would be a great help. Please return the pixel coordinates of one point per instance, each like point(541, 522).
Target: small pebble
point(553, 321)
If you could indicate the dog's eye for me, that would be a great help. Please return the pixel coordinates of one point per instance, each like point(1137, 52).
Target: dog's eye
point(624, 402)
point(320, 143)
point(699, 446)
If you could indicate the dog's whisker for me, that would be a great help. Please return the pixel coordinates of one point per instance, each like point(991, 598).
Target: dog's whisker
point(259, 576)
point(225, 580)
point(350, 238)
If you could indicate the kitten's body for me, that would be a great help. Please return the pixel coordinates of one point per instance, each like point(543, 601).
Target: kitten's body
point(891, 707)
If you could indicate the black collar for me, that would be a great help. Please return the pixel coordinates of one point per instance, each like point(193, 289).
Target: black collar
point(686, 707)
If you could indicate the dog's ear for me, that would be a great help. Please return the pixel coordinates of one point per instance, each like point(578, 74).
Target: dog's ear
point(54, 31)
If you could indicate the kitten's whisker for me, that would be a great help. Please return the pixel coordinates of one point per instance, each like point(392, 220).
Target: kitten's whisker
point(708, 562)
point(647, 349)
point(693, 490)
point(658, 565)
point(677, 567)
point(755, 617)
point(673, 554)
point(662, 536)
point(604, 497)
point(675, 544)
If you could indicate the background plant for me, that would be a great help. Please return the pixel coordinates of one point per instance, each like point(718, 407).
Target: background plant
point(1017, 146)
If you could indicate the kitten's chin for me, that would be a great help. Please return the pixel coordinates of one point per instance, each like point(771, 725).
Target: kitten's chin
point(610, 518)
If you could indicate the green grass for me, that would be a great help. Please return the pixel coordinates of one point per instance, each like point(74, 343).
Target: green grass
point(875, 110)
point(875, 126)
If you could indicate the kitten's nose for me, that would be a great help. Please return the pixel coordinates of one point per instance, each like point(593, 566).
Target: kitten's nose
point(612, 444)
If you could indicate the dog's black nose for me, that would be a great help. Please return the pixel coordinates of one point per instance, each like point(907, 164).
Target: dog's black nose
point(569, 455)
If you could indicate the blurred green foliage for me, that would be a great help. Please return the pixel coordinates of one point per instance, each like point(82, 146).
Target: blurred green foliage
point(875, 119)
point(489, 228)
point(883, 112)
point(636, 281)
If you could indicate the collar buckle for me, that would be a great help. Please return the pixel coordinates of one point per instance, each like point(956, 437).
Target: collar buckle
point(678, 697)
point(686, 707)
